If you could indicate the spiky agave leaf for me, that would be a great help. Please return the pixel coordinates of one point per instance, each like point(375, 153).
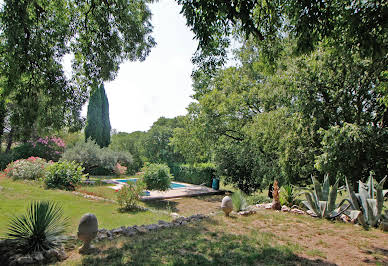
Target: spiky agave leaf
point(40, 228)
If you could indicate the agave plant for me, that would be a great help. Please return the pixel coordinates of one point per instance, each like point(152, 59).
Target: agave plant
point(40, 228)
point(322, 199)
point(368, 203)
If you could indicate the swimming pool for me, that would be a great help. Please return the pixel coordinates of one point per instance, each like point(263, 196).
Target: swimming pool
point(133, 180)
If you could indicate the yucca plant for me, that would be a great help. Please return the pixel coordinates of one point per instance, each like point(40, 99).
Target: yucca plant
point(40, 228)
point(322, 199)
point(239, 201)
point(368, 203)
point(288, 196)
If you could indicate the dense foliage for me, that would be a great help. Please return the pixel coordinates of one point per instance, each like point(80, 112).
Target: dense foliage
point(97, 122)
point(359, 26)
point(32, 168)
point(36, 36)
point(130, 142)
point(313, 114)
point(157, 177)
point(198, 174)
point(40, 228)
point(96, 160)
point(63, 175)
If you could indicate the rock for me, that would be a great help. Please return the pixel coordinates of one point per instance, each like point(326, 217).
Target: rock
point(117, 231)
point(297, 211)
point(152, 227)
point(61, 254)
point(344, 218)
point(268, 206)
point(175, 215)
point(285, 208)
point(87, 231)
point(227, 205)
point(130, 231)
point(140, 229)
point(161, 222)
point(311, 213)
point(38, 256)
point(26, 259)
point(246, 213)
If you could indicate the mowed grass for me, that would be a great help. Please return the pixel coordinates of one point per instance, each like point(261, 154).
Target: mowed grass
point(16, 195)
point(265, 238)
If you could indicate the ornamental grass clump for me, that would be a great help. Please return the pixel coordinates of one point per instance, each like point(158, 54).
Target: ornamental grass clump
point(40, 228)
point(32, 168)
point(239, 201)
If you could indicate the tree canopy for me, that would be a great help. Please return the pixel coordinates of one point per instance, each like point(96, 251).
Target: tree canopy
point(360, 26)
point(35, 37)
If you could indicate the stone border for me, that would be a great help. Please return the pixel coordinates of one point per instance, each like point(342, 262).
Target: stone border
point(104, 234)
point(9, 255)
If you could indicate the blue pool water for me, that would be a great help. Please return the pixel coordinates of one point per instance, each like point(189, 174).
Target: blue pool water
point(133, 180)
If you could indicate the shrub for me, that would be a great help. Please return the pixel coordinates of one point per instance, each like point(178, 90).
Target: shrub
point(39, 229)
point(5, 159)
point(199, 174)
point(129, 195)
point(96, 160)
point(157, 177)
point(49, 148)
point(120, 170)
point(239, 201)
point(63, 175)
point(32, 168)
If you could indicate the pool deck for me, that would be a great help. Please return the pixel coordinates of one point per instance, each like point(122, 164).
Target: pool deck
point(188, 191)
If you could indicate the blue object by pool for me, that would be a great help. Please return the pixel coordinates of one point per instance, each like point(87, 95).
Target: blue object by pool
point(133, 180)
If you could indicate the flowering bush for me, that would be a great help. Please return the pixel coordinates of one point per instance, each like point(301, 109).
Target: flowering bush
point(120, 170)
point(32, 168)
point(63, 175)
point(129, 195)
point(49, 148)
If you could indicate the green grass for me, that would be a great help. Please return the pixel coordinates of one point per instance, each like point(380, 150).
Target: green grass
point(266, 238)
point(15, 196)
point(195, 245)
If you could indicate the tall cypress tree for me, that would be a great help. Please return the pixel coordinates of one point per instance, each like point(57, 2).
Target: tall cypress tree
point(97, 122)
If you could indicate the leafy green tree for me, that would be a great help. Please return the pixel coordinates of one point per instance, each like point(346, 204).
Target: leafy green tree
point(130, 142)
point(358, 26)
point(97, 122)
point(156, 143)
point(36, 35)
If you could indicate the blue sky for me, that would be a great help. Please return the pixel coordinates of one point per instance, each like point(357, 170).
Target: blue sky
point(161, 85)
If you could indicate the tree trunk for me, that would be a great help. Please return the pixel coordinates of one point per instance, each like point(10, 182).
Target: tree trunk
point(9, 143)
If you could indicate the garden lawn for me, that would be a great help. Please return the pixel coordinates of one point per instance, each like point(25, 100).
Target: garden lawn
point(265, 238)
point(16, 195)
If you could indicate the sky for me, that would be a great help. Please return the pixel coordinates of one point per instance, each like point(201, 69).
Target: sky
point(159, 86)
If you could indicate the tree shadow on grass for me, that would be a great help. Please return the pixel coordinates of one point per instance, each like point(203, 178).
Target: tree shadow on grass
point(380, 255)
point(196, 245)
point(165, 205)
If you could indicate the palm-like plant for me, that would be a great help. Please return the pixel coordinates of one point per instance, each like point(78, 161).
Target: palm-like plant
point(40, 228)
